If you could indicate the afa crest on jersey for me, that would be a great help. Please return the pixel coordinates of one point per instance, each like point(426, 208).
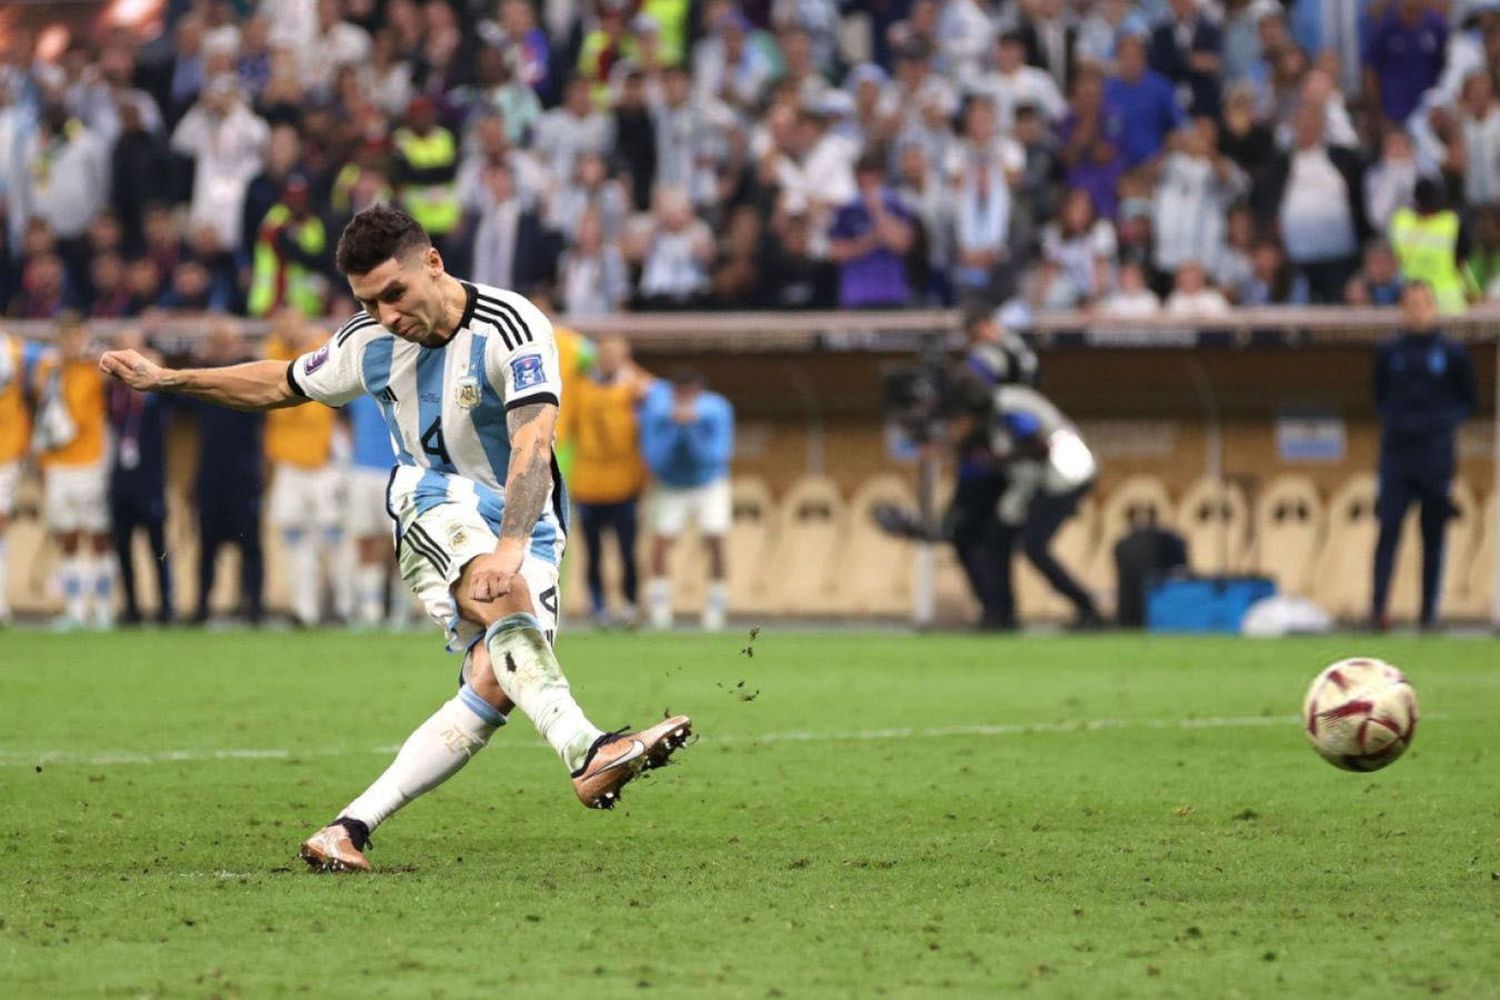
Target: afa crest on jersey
point(526, 371)
point(467, 389)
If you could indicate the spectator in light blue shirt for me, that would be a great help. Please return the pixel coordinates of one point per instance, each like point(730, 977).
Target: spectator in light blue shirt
point(687, 439)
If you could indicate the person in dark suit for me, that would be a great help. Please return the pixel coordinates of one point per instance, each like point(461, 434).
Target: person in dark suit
point(137, 486)
point(229, 485)
point(1188, 49)
point(512, 248)
point(1424, 389)
point(1050, 41)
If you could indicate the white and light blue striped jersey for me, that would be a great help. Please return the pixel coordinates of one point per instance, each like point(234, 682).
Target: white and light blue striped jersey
point(446, 406)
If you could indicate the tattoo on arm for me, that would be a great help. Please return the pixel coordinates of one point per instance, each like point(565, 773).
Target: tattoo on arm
point(530, 475)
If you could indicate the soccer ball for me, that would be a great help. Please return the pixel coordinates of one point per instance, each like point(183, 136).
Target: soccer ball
point(1360, 714)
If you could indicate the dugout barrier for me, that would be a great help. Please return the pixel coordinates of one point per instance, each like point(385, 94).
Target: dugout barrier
point(1222, 416)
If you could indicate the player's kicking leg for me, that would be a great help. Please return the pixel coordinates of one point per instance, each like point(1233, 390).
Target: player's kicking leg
point(600, 763)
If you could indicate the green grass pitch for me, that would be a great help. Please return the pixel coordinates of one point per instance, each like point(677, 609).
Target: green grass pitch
point(868, 815)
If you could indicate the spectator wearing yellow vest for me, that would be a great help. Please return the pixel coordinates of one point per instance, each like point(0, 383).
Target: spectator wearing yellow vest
point(599, 416)
point(425, 170)
point(18, 359)
point(305, 502)
point(69, 437)
point(290, 255)
point(1430, 243)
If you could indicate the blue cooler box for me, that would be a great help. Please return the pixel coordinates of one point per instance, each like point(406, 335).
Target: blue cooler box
point(1203, 604)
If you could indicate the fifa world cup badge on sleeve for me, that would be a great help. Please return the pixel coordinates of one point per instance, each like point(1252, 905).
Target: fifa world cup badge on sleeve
point(527, 371)
point(468, 392)
point(316, 359)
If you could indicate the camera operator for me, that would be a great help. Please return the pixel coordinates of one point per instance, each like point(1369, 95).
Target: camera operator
point(1048, 471)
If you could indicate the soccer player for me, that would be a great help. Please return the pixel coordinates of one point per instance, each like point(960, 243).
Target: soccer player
point(18, 359)
point(687, 438)
point(467, 377)
point(70, 439)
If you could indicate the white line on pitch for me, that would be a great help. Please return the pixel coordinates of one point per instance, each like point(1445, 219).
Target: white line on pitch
point(22, 758)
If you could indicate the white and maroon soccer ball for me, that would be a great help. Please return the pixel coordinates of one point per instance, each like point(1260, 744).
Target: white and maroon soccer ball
point(1360, 714)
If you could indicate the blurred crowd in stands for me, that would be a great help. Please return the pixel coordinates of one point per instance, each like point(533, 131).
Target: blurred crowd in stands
point(778, 154)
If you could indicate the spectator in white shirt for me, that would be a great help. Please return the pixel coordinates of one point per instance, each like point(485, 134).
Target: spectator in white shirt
point(1131, 298)
point(1479, 140)
point(565, 133)
point(590, 190)
point(1390, 183)
point(228, 142)
point(1192, 297)
point(1196, 186)
point(675, 256)
point(1013, 83)
point(593, 277)
point(335, 44)
point(1078, 251)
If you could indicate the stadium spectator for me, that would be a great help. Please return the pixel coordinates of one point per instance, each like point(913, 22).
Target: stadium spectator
point(1243, 137)
point(227, 142)
point(1078, 251)
point(871, 236)
point(1192, 296)
point(1050, 40)
point(511, 248)
point(929, 203)
point(1391, 182)
point(567, 132)
point(141, 173)
point(1378, 282)
point(69, 438)
point(1482, 269)
point(63, 178)
point(1403, 57)
point(1099, 34)
point(304, 499)
point(1188, 50)
point(109, 296)
point(290, 253)
point(1314, 194)
point(1478, 139)
point(1195, 188)
point(1271, 281)
point(635, 138)
point(1233, 269)
point(228, 485)
point(1430, 243)
point(1036, 195)
point(1145, 101)
point(1131, 298)
point(137, 486)
point(790, 276)
point(608, 471)
point(687, 440)
point(424, 169)
point(283, 157)
point(1424, 390)
point(107, 89)
point(333, 44)
point(733, 63)
point(593, 279)
point(1013, 83)
point(674, 255)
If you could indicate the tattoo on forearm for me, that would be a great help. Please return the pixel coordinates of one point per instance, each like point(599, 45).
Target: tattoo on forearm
point(529, 478)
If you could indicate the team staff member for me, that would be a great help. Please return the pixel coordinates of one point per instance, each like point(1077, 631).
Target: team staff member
point(70, 439)
point(304, 499)
point(1424, 389)
point(138, 485)
point(229, 485)
point(18, 359)
point(687, 438)
point(608, 474)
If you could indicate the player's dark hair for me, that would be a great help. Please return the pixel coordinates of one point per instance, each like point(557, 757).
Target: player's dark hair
point(376, 235)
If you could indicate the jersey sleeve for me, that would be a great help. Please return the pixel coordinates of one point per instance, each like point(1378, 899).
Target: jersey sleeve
point(523, 361)
point(331, 374)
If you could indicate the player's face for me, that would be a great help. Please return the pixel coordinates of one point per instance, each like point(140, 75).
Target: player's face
point(405, 298)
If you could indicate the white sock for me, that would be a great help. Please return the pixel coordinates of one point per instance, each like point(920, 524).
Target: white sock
point(102, 579)
point(530, 676)
point(434, 752)
point(304, 580)
point(371, 588)
point(75, 595)
point(716, 607)
point(659, 601)
point(4, 602)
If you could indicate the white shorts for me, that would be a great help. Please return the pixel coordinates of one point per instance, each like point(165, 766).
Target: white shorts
point(305, 498)
point(434, 548)
point(77, 498)
point(708, 506)
point(364, 503)
point(10, 475)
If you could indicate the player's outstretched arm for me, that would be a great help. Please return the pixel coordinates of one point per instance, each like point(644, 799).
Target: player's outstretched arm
point(254, 385)
point(527, 483)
